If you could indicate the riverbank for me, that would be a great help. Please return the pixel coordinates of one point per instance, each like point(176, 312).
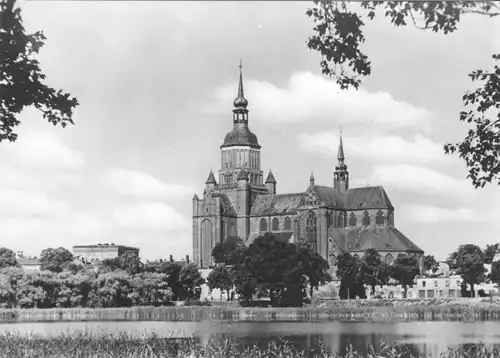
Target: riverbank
point(467, 310)
point(151, 346)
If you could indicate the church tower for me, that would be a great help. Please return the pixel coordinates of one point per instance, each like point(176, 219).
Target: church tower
point(241, 147)
point(341, 175)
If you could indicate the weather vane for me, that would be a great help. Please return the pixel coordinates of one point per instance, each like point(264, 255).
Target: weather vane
point(241, 64)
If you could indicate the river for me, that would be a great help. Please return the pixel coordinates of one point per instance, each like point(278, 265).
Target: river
point(422, 337)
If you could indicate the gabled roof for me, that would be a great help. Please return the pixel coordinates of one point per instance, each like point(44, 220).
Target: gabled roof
point(383, 238)
point(226, 203)
point(330, 196)
point(373, 197)
point(275, 204)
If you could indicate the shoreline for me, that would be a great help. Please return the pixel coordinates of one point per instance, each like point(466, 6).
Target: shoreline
point(465, 310)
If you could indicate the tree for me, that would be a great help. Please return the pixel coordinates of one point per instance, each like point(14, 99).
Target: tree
point(55, 260)
point(189, 278)
point(489, 253)
point(130, 262)
point(280, 268)
point(221, 278)
point(405, 269)
point(229, 252)
point(349, 273)
point(338, 34)
point(21, 83)
point(373, 271)
point(430, 263)
point(468, 261)
point(495, 272)
point(172, 270)
point(7, 257)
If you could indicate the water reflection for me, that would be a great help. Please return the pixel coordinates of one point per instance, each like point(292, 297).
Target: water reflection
point(429, 338)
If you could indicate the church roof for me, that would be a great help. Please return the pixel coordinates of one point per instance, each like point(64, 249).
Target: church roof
point(383, 238)
point(372, 197)
point(330, 196)
point(276, 204)
point(240, 135)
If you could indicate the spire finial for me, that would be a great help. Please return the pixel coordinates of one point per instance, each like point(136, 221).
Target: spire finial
point(241, 101)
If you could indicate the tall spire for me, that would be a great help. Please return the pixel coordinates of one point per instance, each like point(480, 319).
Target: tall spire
point(340, 155)
point(311, 178)
point(241, 101)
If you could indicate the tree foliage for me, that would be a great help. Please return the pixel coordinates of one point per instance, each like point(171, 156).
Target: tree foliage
point(229, 252)
point(373, 271)
point(280, 268)
point(430, 263)
point(404, 269)
point(468, 261)
point(338, 35)
point(21, 78)
point(55, 260)
point(495, 272)
point(349, 273)
point(7, 257)
point(489, 253)
point(189, 278)
point(221, 278)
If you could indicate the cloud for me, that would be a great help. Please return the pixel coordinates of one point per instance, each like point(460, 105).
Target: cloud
point(149, 216)
point(309, 96)
point(41, 149)
point(420, 179)
point(142, 185)
point(419, 149)
point(420, 213)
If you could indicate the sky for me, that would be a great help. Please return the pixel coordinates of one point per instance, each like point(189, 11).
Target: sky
point(156, 81)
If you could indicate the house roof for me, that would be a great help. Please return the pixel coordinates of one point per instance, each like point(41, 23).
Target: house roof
point(26, 261)
point(275, 204)
point(380, 238)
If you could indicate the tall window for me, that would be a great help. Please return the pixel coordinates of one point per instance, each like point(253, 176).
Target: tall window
point(311, 226)
point(263, 225)
point(390, 218)
point(352, 219)
point(380, 219)
point(288, 223)
point(366, 218)
point(332, 218)
point(341, 220)
point(276, 224)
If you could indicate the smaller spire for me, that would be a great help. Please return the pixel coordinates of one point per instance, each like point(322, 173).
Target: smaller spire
point(243, 174)
point(270, 178)
point(211, 178)
point(311, 178)
point(340, 155)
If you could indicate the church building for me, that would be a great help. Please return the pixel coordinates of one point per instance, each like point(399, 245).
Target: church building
point(332, 219)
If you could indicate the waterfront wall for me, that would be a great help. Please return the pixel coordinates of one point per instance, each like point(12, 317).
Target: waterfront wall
point(197, 314)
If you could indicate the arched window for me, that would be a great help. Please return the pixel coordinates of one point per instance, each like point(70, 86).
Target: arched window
point(341, 220)
point(332, 261)
point(288, 223)
point(380, 219)
point(332, 218)
point(263, 225)
point(366, 218)
point(389, 259)
point(276, 224)
point(390, 218)
point(352, 219)
point(311, 227)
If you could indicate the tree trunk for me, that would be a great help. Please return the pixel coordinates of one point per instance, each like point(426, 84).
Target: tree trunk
point(228, 298)
point(405, 287)
point(472, 293)
point(373, 290)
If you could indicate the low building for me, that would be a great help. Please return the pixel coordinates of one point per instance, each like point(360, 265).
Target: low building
point(27, 262)
point(99, 252)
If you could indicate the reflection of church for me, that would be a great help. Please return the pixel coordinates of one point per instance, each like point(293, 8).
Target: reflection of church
point(333, 219)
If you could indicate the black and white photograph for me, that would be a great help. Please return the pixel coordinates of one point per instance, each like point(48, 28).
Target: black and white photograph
point(246, 179)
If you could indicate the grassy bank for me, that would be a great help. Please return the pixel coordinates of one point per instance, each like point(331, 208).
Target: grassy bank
point(355, 310)
point(120, 345)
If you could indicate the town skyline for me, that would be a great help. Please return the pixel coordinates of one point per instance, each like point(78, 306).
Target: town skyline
point(156, 101)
